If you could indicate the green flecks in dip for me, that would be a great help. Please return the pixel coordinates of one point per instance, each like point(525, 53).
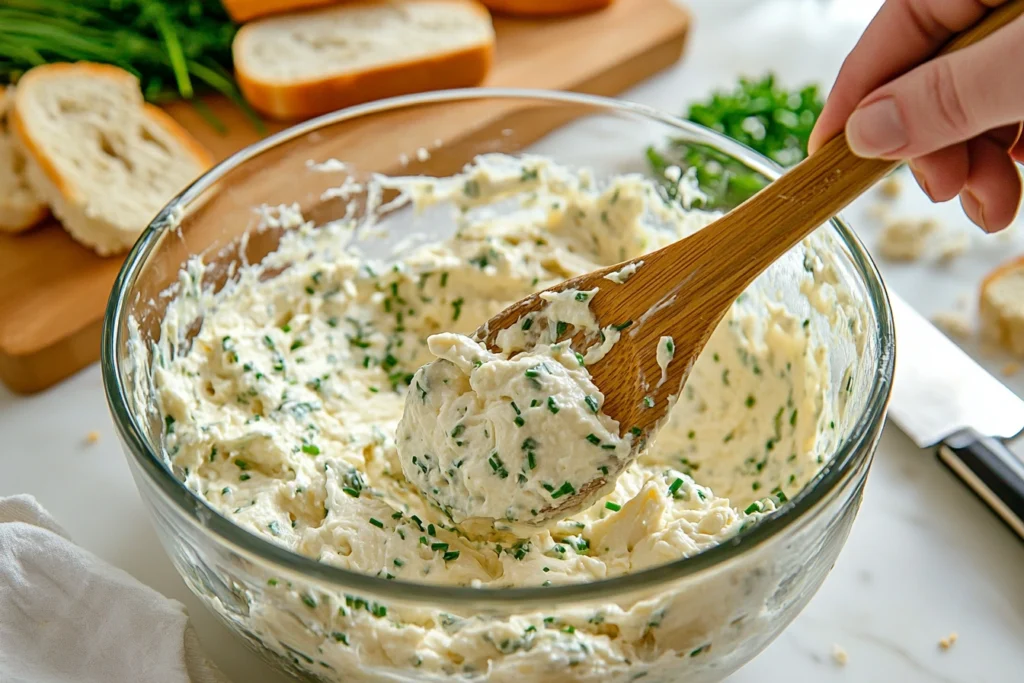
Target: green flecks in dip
point(303, 377)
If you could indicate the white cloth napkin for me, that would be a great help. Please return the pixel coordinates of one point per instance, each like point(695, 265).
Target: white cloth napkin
point(65, 615)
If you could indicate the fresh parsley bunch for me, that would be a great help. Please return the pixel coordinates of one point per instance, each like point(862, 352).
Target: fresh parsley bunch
point(758, 113)
point(175, 47)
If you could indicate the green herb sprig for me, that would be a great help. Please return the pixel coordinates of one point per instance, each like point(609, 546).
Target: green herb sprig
point(757, 113)
point(175, 48)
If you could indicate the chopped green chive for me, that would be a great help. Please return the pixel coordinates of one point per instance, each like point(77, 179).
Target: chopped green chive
point(310, 449)
point(614, 507)
point(675, 486)
point(552, 406)
point(591, 403)
point(564, 489)
point(593, 439)
point(377, 523)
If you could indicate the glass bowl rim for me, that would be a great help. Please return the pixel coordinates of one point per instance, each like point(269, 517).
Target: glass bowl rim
point(852, 451)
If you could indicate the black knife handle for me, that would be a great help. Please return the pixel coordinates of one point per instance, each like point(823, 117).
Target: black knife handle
point(991, 470)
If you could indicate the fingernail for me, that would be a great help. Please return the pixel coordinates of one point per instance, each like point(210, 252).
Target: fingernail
point(921, 180)
point(876, 129)
point(974, 209)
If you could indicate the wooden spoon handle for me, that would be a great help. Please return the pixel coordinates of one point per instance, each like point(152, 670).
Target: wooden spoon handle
point(774, 220)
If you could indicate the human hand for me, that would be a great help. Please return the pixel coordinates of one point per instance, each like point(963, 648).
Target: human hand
point(956, 119)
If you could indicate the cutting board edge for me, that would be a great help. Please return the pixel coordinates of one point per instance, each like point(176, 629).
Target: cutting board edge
point(26, 370)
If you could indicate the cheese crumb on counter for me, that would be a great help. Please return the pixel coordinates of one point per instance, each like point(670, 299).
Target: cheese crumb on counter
point(948, 641)
point(92, 437)
point(839, 655)
point(953, 246)
point(891, 187)
point(905, 239)
point(954, 323)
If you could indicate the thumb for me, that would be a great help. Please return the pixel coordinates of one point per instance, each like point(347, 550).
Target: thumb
point(944, 101)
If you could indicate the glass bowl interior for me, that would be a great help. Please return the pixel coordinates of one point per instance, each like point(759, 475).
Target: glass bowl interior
point(437, 135)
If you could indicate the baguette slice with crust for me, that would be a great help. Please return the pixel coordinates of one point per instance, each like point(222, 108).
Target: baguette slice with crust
point(20, 207)
point(104, 160)
point(1001, 307)
point(247, 10)
point(544, 8)
point(302, 65)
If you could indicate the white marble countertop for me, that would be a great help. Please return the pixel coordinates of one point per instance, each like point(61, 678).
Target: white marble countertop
point(924, 559)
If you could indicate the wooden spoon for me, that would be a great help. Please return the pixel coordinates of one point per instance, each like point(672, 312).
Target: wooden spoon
point(685, 289)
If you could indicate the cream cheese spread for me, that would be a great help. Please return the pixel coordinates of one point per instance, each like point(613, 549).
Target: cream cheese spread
point(512, 436)
point(283, 412)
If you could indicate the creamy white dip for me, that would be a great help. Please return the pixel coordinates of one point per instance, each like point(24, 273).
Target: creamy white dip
point(283, 412)
point(517, 435)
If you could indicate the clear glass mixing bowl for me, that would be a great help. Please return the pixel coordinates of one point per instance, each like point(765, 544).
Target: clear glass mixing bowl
point(709, 614)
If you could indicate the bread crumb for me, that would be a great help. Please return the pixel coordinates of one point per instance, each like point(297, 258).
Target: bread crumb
point(879, 211)
point(953, 246)
point(1012, 368)
point(1000, 307)
point(948, 641)
point(904, 239)
point(422, 154)
point(839, 655)
point(891, 187)
point(954, 323)
point(92, 437)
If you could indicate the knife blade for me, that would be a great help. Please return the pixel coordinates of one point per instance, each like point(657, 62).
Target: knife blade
point(941, 396)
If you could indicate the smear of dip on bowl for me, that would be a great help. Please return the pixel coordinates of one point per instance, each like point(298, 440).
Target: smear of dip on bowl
point(283, 413)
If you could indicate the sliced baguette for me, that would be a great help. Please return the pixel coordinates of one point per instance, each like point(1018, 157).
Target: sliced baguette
point(1001, 307)
point(544, 8)
point(247, 10)
point(303, 65)
point(104, 160)
point(20, 207)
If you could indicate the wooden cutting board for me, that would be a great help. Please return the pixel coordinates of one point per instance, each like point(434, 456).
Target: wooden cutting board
point(53, 292)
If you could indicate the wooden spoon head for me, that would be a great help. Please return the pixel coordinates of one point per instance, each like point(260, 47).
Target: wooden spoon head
point(651, 304)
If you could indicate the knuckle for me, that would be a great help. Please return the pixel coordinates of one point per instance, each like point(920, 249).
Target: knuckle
point(951, 108)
